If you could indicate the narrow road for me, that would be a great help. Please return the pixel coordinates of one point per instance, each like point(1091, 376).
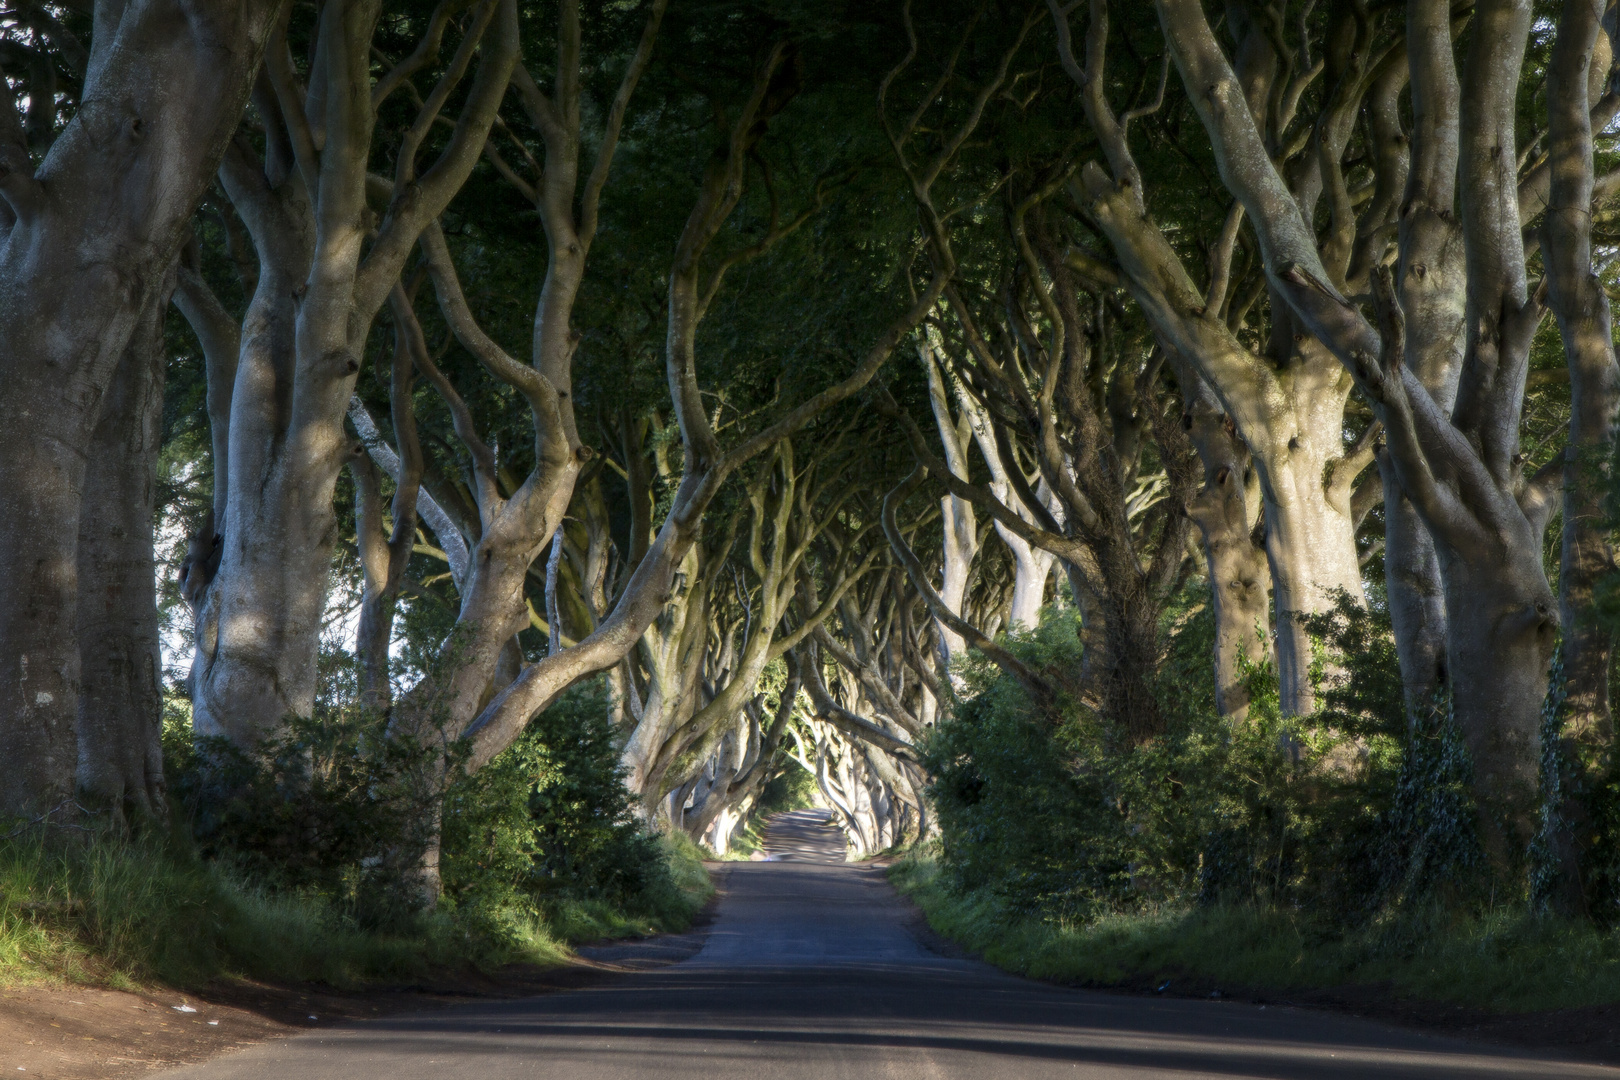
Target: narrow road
point(809, 973)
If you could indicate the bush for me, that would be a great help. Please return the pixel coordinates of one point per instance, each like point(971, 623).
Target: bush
point(1053, 813)
point(1506, 960)
point(549, 826)
point(542, 843)
point(331, 807)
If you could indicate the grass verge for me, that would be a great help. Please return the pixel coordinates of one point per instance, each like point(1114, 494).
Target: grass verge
point(122, 914)
point(1506, 962)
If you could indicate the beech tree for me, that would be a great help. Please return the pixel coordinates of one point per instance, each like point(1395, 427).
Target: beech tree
point(89, 231)
point(1458, 464)
point(1286, 398)
point(305, 200)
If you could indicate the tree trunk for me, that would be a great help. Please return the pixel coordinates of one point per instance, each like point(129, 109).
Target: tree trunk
point(1461, 469)
point(375, 631)
point(957, 520)
point(258, 623)
point(1226, 512)
point(87, 238)
point(1417, 605)
point(1310, 533)
point(120, 708)
point(1498, 642)
point(1431, 283)
point(1586, 556)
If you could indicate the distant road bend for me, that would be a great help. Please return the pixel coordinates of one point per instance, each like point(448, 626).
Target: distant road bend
point(809, 973)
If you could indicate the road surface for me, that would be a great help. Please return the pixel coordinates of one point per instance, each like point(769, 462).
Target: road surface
point(809, 973)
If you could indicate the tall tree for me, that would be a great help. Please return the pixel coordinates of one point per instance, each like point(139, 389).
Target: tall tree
point(86, 238)
point(307, 202)
point(1462, 471)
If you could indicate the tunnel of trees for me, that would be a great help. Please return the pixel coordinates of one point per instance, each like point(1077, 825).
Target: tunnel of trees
point(1163, 451)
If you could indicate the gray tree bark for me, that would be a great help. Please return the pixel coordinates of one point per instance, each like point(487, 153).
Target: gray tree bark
point(1226, 513)
point(1432, 279)
point(120, 717)
point(87, 237)
point(1581, 306)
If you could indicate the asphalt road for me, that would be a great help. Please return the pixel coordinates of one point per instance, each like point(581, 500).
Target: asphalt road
point(809, 973)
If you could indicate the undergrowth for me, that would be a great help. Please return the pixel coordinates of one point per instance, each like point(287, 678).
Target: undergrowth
point(1270, 851)
point(1507, 960)
point(120, 913)
point(286, 866)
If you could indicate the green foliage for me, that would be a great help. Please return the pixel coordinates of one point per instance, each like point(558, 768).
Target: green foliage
point(334, 816)
point(1353, 811)
point(1431, 843)
point(792, 788)
point(549, 826)
point(1580, 815)
point(110, 911)
point(296, 863)
point(1505, 960)
point(332, 806)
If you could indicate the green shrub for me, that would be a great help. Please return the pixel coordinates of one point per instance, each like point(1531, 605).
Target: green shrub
point(336, 810)
point(549, 826)
point(331, 806)
point(1340, 814)
point(1506, 960)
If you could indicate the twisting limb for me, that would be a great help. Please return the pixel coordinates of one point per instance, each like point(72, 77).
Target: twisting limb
point(1003, 659)
point(832, 713)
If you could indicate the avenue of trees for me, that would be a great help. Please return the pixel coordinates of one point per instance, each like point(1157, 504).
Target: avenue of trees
point(1119, 399)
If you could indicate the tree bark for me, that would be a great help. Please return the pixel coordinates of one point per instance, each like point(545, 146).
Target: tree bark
point(1310, 531)
point(1224, 511)
point(1432, 280)
point(1417, 604)
point(87, 239)
point(1581, 306)
point(120, 718)
point(1497, 647)
point(957, 520)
